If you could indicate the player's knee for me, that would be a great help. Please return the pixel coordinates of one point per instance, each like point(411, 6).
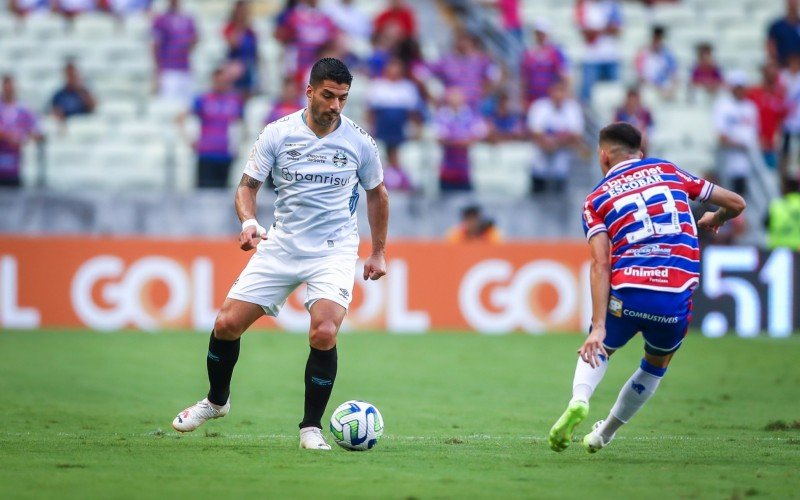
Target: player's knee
point(323, 335)
point(227, 328)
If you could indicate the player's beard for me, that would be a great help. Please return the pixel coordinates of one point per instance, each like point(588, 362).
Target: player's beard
point(323, 118)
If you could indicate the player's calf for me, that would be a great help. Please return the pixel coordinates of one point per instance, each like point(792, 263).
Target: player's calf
point(634, 394)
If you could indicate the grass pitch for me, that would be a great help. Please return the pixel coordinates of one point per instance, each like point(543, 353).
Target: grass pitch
point(88, 415)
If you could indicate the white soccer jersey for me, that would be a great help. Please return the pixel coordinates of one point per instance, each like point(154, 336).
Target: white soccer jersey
point(316, 181)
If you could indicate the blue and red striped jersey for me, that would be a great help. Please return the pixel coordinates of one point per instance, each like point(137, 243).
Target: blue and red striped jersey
point(643, 205)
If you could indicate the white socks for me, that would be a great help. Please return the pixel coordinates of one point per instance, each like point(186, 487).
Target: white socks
point(634, 394)
point(587, 378)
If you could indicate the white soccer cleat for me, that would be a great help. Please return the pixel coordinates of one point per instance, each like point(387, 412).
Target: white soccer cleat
point(196, 415)
point(593, 442)
point(311, 439)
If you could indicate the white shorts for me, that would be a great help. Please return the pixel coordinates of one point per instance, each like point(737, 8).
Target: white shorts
point(272, 275)
point(176, 85)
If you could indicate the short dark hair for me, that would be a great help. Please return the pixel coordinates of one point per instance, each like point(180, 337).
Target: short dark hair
point(331, 69)
point(705, 46)
point(471, 211)
point(622, 134)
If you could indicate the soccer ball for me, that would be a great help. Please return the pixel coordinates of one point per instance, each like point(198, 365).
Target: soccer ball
point(356, 425)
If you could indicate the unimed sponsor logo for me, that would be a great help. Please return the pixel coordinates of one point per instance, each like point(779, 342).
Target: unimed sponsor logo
point(644, 272)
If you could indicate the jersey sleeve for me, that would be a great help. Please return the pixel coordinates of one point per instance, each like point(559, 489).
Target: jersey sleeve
point(370, 171)
point(262, 156)
point(592, 222)
point(697, 188)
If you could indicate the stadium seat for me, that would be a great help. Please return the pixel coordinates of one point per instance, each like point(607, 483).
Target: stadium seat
point(421, 160)
point(95, 26)
point(86, 129)
point(184, 165)
point(606, 97)
point(118, 111)
point(44, 26)
point(164, 110)
point(137, 27)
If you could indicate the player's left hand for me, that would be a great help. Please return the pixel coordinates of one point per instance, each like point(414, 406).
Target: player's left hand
point(708, 222)
point(592, 348)
point(375, 267)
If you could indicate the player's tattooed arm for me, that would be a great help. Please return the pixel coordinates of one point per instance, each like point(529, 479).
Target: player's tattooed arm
point(246, 197)
point(249, 182)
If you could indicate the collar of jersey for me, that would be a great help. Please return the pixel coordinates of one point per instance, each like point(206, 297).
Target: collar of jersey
point(621, 165)
point(303, 119)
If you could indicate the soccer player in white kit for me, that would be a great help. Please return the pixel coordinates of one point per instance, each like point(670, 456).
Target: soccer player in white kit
point(317, 158)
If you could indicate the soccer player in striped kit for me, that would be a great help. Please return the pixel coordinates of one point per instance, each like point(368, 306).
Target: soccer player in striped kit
point(645, 267)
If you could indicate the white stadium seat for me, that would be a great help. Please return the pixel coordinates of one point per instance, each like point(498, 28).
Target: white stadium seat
point(87, 129)
point(117, 111)
point(95, 27)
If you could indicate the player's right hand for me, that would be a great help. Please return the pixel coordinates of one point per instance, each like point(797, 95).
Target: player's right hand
point(708, 222)
point(592, 348)
point(249, 238)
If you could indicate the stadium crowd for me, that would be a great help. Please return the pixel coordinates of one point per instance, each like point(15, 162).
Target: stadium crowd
point(466, 95)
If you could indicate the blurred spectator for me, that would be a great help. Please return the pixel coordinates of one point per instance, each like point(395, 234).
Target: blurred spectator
point(770, 100)
point(783, 218)
point(305, 31)
point(511, 18)
point(338, 48)
point(783, 38)
point(350, 19)
point(556, 123)
point(287, 103)
point(125, 7)
point(384, 45)
point(634, 112)
point(706, 74)
point(790, 78)
point(283, 14)
point(600, 22)
point(657, 66)
point(393, 102)
point(474, 228)
point(790, 75)
point(72, 8)
point(468, 68)
point(457, 127)
point(242, 48)
point(17, 125)
point(416, 68)
point(399, 15)
point(74, 98)
point(217, 111)
point(736, 122)
point(504, 122)
point(22, 8)
point(174, 38)
point(542, 65)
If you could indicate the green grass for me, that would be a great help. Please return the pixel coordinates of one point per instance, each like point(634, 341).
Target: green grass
point(88, 415)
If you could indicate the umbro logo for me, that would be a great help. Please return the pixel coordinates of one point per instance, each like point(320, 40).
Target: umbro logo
point(294, 154)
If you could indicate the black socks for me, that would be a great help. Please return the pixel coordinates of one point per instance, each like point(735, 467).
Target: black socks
point(222, 357)
point(320, 375)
